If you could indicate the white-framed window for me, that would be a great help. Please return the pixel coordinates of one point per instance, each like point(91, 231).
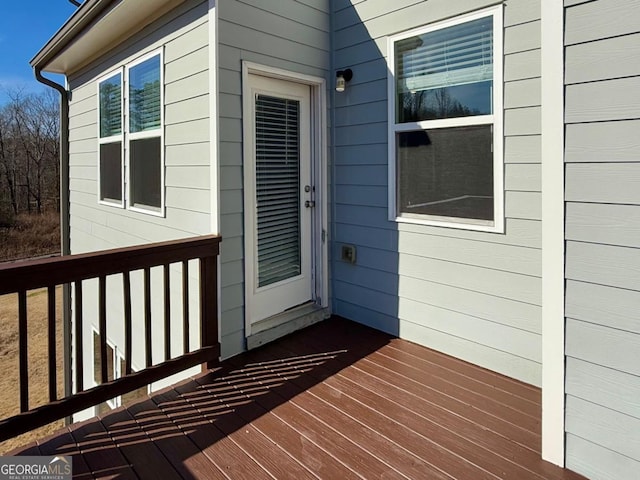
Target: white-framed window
point(145, 144)
point(140, 136)
point(110, 140)
point(446, 123)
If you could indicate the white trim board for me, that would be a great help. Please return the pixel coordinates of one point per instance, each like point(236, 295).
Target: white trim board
point(553, 256)
point(214, 144)
point(214, 124)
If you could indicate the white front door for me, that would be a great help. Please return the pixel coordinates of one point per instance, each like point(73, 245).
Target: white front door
point(279, 197)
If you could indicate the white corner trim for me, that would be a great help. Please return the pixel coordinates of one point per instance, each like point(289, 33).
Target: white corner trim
point(214, 128)
point(553, 251)
point(214, 145)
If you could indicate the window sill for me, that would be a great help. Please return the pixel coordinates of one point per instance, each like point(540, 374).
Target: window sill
point(113, 204)
point(451, 222)
point(156, 212)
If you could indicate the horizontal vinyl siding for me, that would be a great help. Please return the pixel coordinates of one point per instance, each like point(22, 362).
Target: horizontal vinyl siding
point(183, 36)
point(602, 158)
point(286, 34)
point(471, 294)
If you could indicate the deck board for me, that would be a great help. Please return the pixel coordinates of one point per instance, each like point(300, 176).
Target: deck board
point(101, 454)
point(297, 445)
point(465, 388)
point(135, 446)
point(363, 396)
point(180, 432)
point(489, 416)
point(336, 400)
point(63, 443)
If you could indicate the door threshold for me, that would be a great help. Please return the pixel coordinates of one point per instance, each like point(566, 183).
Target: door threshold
point(282, 324)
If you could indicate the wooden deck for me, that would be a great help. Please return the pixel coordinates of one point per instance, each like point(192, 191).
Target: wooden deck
point(335, 401)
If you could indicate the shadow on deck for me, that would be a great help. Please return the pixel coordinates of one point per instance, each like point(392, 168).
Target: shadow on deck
point(336, 400)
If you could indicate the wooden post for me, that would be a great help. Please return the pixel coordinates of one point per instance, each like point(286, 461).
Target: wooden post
point(185, 306)
point(102, 323)
point(209, 306)
point(51, 315)
point(147, 318)
point(167, 312)
point(126, 285)
point(79, 357)
point(23, 349)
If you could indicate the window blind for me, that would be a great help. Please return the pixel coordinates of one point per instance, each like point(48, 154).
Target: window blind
point(452, 56)
point(111, 107)
point(277, 188)
point(144, 96)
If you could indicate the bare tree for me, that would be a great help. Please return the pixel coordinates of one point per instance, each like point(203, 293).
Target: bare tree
point(8, 166)
point(431, 104)
point(29, 151)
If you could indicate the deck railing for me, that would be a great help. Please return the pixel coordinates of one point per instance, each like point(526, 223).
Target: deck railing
point(21, 277)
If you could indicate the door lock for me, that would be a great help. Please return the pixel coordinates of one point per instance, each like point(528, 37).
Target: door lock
point(309, 203)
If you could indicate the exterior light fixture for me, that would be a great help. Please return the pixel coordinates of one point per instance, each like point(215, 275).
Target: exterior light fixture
point(342, 77)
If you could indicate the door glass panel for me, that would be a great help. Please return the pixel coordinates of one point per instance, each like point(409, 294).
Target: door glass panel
point(277, 142)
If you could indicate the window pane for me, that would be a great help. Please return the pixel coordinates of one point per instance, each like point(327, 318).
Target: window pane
point(446, 172)
point(445, 73)
point(111, 106)
point(97, 372)
point(447, 102)
point(144, 95)
point(111, 171)
point(145, 172)
point(277, 145)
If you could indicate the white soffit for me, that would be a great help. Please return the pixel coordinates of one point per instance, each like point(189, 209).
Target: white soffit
point(107, 31)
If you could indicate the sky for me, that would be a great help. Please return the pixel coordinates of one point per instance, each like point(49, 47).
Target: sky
point(25, 26)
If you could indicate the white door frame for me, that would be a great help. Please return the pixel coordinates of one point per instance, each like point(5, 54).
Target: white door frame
point(319, 173)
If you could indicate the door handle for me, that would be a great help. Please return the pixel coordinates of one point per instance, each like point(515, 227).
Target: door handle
point(310, 204)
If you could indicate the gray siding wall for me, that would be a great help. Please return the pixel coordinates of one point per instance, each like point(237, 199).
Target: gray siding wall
point(287, 34)
point(473, 295)
point(602, 157)
point(183, 34)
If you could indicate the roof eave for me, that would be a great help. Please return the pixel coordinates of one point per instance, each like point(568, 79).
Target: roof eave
point(82, 18)
point(95, 29)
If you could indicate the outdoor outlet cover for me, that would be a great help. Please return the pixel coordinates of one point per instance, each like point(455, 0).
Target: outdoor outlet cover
point(348, 253)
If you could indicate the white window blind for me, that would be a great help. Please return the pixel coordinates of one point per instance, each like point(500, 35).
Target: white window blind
point(277, 145)
point(448, 57)
point(144, 96)
point(111, 106)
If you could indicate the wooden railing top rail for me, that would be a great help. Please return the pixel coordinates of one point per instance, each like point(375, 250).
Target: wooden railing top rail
point(33, 274)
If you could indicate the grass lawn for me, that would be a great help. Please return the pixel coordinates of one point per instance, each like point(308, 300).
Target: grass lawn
point(33, 235)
